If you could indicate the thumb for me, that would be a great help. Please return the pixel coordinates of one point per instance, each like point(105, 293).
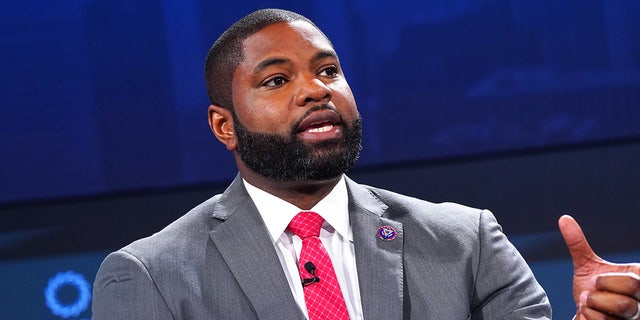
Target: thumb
point(581, 252)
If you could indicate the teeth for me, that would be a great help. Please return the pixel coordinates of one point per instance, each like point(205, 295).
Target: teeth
point(324, 128)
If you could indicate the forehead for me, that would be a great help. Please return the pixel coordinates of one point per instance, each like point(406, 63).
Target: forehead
point(284, 39)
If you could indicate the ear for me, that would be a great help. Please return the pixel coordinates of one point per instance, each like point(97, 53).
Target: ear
point(221, 123)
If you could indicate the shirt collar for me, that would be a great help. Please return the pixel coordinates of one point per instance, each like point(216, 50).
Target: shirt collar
point(277, 213)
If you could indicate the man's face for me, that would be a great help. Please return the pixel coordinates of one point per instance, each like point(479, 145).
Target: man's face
point(294, 114)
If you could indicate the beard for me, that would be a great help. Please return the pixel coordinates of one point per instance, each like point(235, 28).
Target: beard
point(287, 158)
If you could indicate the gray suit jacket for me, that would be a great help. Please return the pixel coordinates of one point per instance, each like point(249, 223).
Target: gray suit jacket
point(217, 262)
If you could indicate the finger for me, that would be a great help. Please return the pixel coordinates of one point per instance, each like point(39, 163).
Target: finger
point(612, 304)
point(627, 283)
point(590, 314)
point(579, 248)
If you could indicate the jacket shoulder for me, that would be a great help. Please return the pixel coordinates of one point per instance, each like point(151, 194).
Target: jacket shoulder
point(447, 215)
point(177, 240)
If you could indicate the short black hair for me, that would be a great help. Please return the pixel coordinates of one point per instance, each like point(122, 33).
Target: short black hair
point(226, 53)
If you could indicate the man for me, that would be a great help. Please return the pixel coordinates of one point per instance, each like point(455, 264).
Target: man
point(281, 105)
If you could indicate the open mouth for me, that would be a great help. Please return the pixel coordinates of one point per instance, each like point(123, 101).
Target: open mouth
point(320, 127)
point(320, 121)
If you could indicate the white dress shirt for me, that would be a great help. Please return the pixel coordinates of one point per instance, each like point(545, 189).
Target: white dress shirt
point(335, 235)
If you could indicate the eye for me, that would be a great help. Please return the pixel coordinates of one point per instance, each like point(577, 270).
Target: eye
point(275, 81)
point(331, 72)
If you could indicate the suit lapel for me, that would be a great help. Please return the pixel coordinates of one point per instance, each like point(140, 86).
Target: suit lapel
point(379, 262)
point(246, 246)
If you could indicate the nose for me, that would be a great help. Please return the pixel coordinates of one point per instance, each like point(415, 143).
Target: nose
point(312, 90)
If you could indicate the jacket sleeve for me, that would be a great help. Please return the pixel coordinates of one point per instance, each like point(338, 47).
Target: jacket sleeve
point(124, 289)
point(505, 287)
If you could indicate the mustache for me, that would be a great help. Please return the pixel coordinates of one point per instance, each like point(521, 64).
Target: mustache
point(311, 110)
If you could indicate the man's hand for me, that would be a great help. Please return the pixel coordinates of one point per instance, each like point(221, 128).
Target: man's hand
point(601, 289)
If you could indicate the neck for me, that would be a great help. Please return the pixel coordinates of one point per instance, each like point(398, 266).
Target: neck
point(302, 194)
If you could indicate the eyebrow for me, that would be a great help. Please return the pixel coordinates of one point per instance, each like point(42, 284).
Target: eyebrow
point(279, 61)
point(325, 54)
point(269, 62)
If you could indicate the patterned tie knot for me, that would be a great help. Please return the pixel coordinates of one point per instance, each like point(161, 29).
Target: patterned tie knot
point(306, 224)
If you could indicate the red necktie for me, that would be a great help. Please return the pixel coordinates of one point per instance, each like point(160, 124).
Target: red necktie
point(323, 298)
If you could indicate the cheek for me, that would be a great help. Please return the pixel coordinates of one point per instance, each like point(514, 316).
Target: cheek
point(256, 110)
point(344, 97)
point(251, 109)
point(263, 116)
point(265, 113)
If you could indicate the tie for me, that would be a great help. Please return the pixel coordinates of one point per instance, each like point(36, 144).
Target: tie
point(323, 298)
